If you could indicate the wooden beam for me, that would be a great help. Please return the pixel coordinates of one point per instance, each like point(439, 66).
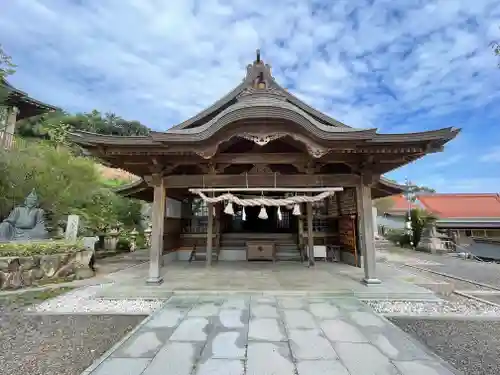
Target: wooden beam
point(263, 158)
point(260, 181)
point(259, 189)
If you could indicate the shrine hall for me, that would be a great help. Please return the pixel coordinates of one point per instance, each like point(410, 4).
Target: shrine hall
point(262, 176)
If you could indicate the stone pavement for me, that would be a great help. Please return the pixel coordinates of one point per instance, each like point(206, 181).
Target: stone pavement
point(258, 335)
point(272, 278)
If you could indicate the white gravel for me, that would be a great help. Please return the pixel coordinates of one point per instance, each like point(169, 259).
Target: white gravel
point(83, 301)
point(459, 306)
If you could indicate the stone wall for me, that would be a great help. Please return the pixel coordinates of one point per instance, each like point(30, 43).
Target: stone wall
point(18, 272)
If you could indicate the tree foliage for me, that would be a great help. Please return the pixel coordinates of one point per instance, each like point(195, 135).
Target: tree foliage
point(95, 122)
point(66, 184)
point(383, 204)
point(420, 220)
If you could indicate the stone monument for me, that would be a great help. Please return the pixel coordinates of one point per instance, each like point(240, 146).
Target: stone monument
point(24, 223)
point(71, 233)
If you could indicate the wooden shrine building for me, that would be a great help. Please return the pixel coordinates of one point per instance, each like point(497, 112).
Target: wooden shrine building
point(17, 105)
point(305, 180)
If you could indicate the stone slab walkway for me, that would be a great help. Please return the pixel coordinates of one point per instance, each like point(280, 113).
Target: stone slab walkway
point(259, 335)
point(250, 277)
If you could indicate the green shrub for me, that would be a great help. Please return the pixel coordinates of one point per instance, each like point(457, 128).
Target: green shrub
point(123, 244)
point(38, 248)
point(399, 237)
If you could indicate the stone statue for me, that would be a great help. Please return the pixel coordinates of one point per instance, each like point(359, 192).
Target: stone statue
point(24, 222)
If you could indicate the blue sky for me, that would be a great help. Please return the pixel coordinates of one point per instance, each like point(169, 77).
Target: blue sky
point(400, 66)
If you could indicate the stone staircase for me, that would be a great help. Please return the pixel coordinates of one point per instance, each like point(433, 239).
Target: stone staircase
point(287, 248)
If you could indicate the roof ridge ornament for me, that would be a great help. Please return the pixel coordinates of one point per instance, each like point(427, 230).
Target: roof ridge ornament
point(259, 74)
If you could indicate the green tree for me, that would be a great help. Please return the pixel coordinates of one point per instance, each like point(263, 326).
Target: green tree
point(420, 220)
point(62, 180)
point(65, 183)
point(94, 122)
point(383, 204)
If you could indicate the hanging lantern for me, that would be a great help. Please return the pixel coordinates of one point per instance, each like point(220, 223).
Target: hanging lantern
point(229, 208)
point(279, 213)
point(296, 209)
point(263, 213)
point(243, 214)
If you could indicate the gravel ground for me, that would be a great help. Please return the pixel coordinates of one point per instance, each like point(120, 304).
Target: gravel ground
point(455, 305)
point(469, 345)
point(82, 301)
point(54, 345)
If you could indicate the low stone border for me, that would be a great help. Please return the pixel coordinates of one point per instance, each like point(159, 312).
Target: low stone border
point(21, 271)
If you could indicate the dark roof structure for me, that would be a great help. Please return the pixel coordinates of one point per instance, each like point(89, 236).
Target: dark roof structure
point(260, 112)
point(28, 107)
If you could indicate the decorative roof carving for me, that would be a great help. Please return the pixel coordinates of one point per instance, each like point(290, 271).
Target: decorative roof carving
point(260, 169)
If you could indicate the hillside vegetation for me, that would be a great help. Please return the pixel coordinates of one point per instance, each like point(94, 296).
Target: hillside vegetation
point(66, 181)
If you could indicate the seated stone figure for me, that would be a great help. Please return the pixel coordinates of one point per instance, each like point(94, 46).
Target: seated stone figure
point(25, 222)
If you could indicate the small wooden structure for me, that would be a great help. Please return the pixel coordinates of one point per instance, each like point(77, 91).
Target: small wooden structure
point(18, 105)
point(260, 136)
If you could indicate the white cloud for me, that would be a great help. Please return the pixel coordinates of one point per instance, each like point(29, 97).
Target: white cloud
point(174, 58)
point(397, 65)
point(492, 156)
point(451, 160)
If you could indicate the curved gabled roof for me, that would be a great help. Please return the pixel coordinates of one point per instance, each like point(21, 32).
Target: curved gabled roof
point(261, 72)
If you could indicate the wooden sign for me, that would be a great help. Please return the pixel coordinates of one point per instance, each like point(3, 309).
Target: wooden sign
point(348, 201)
point(347, 233)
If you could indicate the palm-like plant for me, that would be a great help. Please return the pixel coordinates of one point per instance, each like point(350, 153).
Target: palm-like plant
point(420, 220)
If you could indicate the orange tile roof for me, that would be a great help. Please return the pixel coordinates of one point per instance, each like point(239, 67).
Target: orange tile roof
point(400, 203)
point(462, 205)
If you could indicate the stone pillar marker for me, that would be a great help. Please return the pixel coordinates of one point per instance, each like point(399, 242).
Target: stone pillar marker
point(71, 233)
point(366, 230)
point(157, 218)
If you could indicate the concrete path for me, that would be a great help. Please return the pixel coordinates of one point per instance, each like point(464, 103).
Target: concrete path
point(259, 335)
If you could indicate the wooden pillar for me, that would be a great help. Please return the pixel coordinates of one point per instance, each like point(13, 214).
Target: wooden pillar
point(158, 220)
point(218, 226)
point(310, 236)
point(366, 233)
point(8, 127)
point(210, 223)
point(301, 230)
